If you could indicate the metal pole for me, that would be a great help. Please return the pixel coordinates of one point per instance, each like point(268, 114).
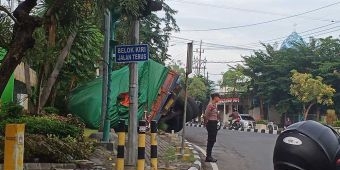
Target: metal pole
point(105, 68)
point(185, 110)
point(133, 92)
point(107, 122)
point(188, 71)
point(12, 5)
point(200, 59)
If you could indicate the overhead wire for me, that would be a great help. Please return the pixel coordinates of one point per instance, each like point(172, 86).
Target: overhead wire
point(254, 45)
point(213, 45)
point(263, 22)
point(246, 10)
point(284, 37)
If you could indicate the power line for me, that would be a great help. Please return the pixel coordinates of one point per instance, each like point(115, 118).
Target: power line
point(247, 10)
point(284, 37)
point(224, 62)
point(320, 31)
point(265, 22)
point(327, 32)
point(208, 44)
point(212, 46)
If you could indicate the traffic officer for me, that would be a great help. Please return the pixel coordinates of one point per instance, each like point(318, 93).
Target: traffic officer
point(211, 118)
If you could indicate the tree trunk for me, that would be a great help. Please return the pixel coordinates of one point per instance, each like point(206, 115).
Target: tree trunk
point(307, 110)
point(53, 96)
point(51, 29)
point(261, 108)
point(58, 66)
point(30, 108)
point(21, 41)
point(318, 114)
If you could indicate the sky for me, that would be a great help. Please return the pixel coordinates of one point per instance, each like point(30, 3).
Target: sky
point(210, 14)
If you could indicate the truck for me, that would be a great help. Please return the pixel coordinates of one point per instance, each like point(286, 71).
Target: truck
point(160, 98)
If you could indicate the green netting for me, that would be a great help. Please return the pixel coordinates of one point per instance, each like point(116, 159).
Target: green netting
point(7, 95)
point(85, 101)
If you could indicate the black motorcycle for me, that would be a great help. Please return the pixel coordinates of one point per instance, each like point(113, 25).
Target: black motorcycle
point(236, 125)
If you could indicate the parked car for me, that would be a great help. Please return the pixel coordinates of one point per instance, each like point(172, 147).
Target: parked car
point(247, 121)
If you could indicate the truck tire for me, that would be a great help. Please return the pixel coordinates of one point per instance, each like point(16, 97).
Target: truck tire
point(175, 122)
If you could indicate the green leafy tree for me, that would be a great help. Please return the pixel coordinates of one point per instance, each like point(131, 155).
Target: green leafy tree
point(68, 47)
point(310, 91)
point(21, 38)
point(235, 79)
point(5, 30)
point(197, 88)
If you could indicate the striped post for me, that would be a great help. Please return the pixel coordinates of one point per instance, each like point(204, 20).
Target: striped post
point(121, 144)
point(141, 145)
point(154, 160)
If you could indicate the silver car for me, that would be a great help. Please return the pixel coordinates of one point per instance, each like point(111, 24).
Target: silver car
point(247, 121)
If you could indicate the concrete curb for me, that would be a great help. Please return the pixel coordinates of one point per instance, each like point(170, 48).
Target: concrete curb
point(242, 129)
point(197, 165)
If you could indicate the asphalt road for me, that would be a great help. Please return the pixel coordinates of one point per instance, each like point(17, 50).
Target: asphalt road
point(236, 150)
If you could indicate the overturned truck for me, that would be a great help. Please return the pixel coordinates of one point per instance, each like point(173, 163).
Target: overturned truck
point(160, 98)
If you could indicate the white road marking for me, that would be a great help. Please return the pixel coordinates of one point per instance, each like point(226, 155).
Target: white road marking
point(213, 165)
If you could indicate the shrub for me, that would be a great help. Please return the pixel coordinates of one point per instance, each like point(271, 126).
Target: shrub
point(336, 123)
point(50, 110)
point(10, 109)
point(45, 126)
point(261, 122)
point(53, 149)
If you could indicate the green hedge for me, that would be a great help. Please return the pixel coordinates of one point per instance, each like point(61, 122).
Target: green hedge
point(45, 126)
point(261, 122)
point(336, 123)
point(52, 149)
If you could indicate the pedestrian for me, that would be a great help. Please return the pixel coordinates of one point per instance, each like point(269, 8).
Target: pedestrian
point(211, 118)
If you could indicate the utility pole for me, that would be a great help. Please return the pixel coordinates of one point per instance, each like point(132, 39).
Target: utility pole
point(133, 88)
point(199, 59)
point(133, 107)
point(188, 71)
point(105, 69)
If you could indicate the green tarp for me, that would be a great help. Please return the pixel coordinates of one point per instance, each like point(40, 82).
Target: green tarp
point(86, 101)
point(7, 95)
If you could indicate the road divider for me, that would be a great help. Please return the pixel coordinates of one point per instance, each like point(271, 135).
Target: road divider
point(241, 129)
point(121, 145)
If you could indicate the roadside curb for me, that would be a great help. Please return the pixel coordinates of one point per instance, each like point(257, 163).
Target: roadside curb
point(197, 165)
point(242, 129)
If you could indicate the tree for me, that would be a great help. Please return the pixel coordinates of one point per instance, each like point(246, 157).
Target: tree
point(310, 91)
point(5, 30)
point(68, 47)
point(22, 40)
point(235, 79)
point(197, 88)
point(155, 30)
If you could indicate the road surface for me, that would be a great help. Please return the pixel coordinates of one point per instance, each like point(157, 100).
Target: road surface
point(236, 150)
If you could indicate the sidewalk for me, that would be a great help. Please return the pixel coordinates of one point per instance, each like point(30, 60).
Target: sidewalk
point(166, 148)
point(167, 154)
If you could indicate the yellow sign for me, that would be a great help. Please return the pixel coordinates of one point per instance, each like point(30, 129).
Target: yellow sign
point(14, 147)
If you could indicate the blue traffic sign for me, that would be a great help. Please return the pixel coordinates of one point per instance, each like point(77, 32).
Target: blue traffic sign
point(132, 53)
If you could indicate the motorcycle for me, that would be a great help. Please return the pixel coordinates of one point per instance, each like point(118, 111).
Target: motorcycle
point(235, 124)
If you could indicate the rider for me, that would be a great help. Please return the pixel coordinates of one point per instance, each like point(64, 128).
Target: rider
point(234, 116)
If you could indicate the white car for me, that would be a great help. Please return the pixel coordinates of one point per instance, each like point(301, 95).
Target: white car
point(247, 121)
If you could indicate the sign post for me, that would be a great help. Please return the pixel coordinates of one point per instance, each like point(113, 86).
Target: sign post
point(132, 53)
point(188, 71)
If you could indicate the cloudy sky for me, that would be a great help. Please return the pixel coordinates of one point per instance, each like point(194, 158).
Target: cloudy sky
point(319, 18)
